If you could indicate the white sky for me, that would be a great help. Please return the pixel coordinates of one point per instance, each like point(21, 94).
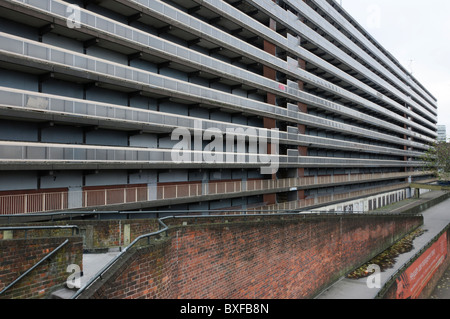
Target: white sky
point(417, 34)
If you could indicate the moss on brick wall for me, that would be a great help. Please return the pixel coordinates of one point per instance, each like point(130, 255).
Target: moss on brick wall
point(19, 255)
point(97, 234)
point(254, 257)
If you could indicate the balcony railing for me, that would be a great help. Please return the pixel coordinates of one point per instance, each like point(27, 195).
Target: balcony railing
point(311, 15)
point(15, 100)
point(115, 70)
point(333, 13)
point(168, 13)
point(274, 10)
point(327, 199)
point(57, 201)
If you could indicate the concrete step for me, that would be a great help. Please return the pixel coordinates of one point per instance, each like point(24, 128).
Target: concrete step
point(63, 293)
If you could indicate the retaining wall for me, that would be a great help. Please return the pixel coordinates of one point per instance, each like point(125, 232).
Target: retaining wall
point(251, 257)
point(19, 255)
point(419, 277)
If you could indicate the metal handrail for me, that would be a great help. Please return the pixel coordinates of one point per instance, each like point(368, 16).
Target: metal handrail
point(164, 228)
point(51, 215)
point(33, 267)
point(253, 213)
point(387, 285)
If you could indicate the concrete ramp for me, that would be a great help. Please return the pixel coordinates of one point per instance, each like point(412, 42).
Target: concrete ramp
point(430, 187)
point(436, 219)
point(92, 264)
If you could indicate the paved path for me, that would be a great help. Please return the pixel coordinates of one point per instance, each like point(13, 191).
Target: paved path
point(435, 220)
point(93, 263)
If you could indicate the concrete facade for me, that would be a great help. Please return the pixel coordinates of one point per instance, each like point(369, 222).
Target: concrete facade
point(442, 133)
point(91, 91)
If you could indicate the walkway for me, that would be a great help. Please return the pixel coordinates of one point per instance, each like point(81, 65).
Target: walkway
point(435, 220)
point(92, 264)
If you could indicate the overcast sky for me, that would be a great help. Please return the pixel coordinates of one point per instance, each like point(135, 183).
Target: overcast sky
point(417, 33)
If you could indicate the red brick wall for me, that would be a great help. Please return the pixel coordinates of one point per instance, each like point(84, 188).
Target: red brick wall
point(18, 255)
point(111, 233)
point(98, 234)
point(291, 258)
point(145, 273)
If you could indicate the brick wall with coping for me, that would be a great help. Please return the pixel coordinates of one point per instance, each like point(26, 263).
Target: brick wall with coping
point(19, 255)
point(97, 235)
point(391, 291)
point(252, 257)
point(102, 234)
point(431, 285)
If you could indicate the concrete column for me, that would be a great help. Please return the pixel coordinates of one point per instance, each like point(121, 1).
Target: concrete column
point(244, 183)
point(405, 137)
point(205, 183)
point(152, 191)
point(269, 123)
point(302, 150)
point(75, 197)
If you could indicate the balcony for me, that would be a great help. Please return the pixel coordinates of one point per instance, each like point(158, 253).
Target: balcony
point(115, 75)
point(177, 53)
point(142, 196)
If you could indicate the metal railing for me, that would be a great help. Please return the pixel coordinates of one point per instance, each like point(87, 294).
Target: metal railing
point(328, 199)
point(151, 81)
point(163, 228)
point(33, 267)
point(407, 264)
point(312, 15)
point(290, 19)
point(22, 154)
point(122, 32)
point(347, 25)
point(251, 24)
point(75, 230)
point(15, 100)
point(59, 201)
